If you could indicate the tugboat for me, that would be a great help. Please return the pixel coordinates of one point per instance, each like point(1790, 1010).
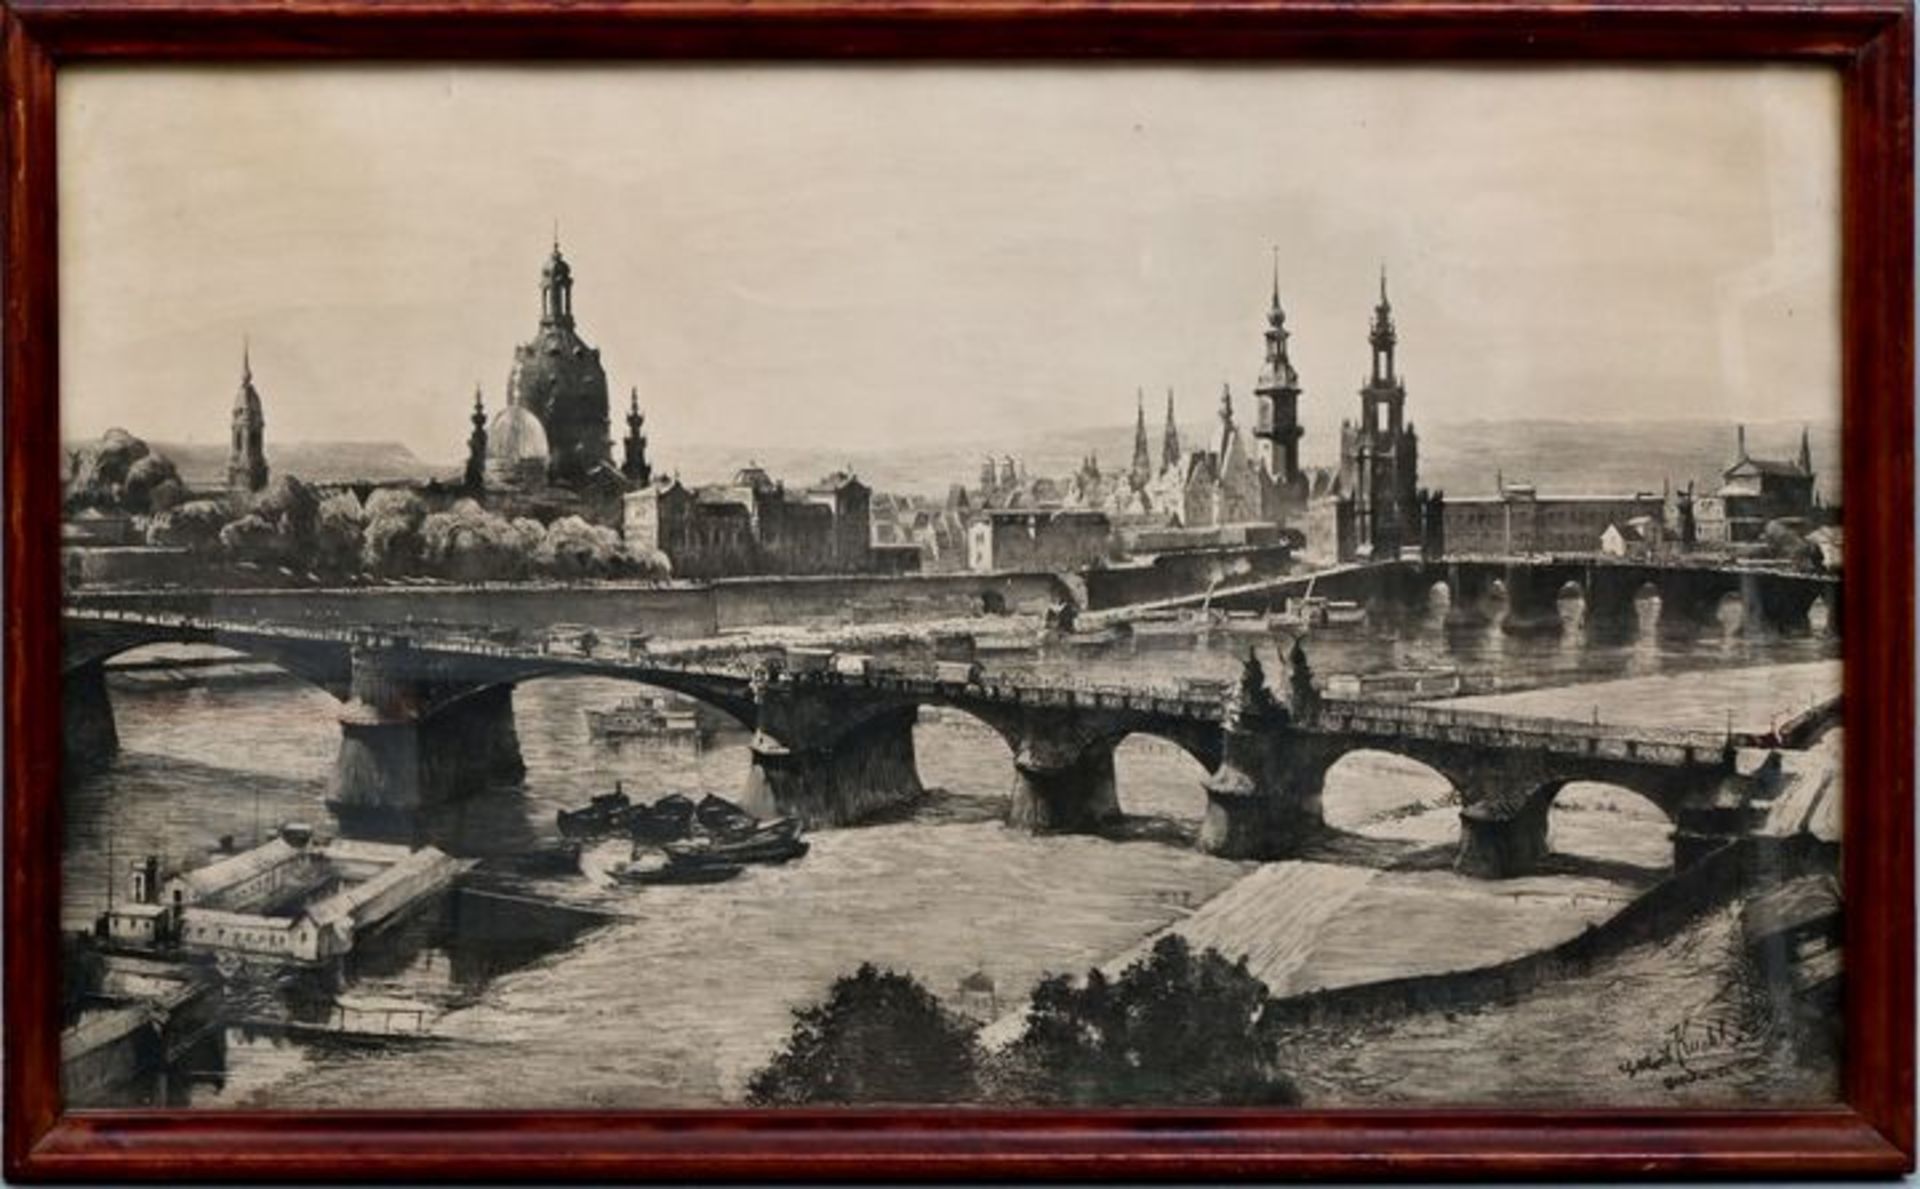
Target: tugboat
point(651, 716)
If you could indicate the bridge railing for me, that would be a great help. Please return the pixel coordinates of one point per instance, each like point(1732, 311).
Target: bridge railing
point(1560, 734)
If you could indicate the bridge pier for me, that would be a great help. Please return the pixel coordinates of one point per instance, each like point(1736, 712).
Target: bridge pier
point(1500, 843)
point(864, 772)
point(1263, 801)
point(89, 739)
point(1063, 792)
point(1533, 602)
point(399, 755)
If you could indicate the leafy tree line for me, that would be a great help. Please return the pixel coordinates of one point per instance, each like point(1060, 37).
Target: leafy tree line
point(392, 535)
point(1175, 1028)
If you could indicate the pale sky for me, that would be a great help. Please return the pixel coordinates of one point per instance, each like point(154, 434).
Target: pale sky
point(859, 256)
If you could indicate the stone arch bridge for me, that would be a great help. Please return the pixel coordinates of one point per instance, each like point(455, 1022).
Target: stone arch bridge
point(1774, 598)
point(424, 720)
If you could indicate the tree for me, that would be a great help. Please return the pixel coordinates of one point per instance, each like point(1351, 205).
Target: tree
point(339, 534)
point(120, 473)
point(148, 477)
point(391, 543)
point(195, 525)
point(252, 539)
point(1175, 1028)
point(470, 544)
point(572, 548)
point(879, 1037)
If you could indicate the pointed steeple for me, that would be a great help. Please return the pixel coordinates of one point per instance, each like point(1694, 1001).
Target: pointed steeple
point(1382, 335)
point(476, 475)
point(1142, 469)
point(1226, 405)
point(634, 464)
point(1806, 453)
point(246, 453)
point(1170, 438)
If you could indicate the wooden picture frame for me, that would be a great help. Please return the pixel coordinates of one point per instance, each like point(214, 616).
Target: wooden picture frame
point(1868, 42)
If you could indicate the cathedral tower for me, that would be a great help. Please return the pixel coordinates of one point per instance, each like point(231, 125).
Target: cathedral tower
point(1379, 459)
point(247, 455)
point(558, 378)
point(1277, 395)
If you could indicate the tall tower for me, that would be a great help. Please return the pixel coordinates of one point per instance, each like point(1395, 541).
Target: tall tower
point(247, 455)
point(1170, 438)
point(1277, 397)
point(634, 464)
point(1141, 473)
point(558, 378)
point(1380, 458)
point(476, 476)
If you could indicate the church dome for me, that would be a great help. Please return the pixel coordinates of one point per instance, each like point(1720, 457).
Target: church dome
point(516, 447)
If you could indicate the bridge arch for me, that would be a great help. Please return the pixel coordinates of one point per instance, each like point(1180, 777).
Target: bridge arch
point(1607, 828)
point(1390, 795)
point(314, 663)
point(739, 708)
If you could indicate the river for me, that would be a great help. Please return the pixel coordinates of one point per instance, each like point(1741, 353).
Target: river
point(688, 990)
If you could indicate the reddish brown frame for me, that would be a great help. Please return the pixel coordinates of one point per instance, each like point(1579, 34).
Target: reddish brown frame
point(1869, 42)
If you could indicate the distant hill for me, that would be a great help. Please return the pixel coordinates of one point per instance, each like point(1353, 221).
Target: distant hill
point(1460, 458)
point(204, 465)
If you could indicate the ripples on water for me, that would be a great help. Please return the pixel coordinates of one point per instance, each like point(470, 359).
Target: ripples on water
point(683, 996)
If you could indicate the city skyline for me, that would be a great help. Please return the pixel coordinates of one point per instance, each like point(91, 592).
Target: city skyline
point(750, 317)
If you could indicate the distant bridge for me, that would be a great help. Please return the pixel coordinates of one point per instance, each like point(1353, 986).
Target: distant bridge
point(425, 719)
point(1523, 593)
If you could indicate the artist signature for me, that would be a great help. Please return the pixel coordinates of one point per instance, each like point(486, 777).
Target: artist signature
point(1678, 1059)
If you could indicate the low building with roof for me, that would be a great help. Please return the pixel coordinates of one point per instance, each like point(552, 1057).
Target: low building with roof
point(1753, 492)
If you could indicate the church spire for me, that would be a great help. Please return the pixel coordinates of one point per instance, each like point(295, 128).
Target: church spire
point(476, 475)
point(556, 288)
point(634, 463)
point(1806, 453)
point(1142, 469)
point(1382, 335)
point(247, 455)
point(1170, 438)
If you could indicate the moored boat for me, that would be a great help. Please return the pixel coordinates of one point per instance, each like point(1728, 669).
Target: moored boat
point(677, 869)
point(607, 813)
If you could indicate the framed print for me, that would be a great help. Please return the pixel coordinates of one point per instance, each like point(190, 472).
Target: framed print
point(951, 591)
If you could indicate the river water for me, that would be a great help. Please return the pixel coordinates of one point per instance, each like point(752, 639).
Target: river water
point(686, 991)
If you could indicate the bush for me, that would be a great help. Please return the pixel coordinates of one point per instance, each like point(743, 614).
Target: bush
point(880, 1037)
point(1174, 1029)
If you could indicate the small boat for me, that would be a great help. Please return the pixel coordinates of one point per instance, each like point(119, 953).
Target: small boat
point(1006, 643)
point(719, 816)
point(678, 869)
point(1308, 613)
point(667, 820)
point(607, 813)
point(775, 842)
point(1397, 684)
